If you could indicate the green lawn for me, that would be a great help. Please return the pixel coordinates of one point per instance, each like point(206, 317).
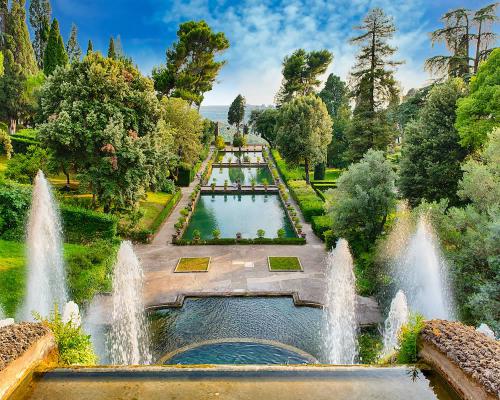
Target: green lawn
point(332, 174)
point(89, 271)
point(284, 264)
point(152, 206)
point(191, 264)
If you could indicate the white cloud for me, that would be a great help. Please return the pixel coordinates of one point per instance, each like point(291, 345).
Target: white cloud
point(263, 32)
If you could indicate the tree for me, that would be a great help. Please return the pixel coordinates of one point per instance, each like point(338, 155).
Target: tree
point(111, 49)
point(239, 140)
point(458, 36)
point(265, 124)
point(72, 47)
point(191, 68)
point(374, 85)
point(55, 53)
point(410, 106)
point(431, 154)
point(479, 112)
point(187, 126)
point(112, 135)
point(300, 73)
point(364, 197)
point(236, 112)
point(2, 70)
point(39, 14)
point(335, 95)
point(304, 130)
point(90, 47)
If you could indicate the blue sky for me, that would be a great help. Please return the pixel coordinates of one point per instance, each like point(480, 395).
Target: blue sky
point(261, 33)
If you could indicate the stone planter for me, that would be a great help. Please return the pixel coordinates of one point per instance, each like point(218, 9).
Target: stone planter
point(238, 235)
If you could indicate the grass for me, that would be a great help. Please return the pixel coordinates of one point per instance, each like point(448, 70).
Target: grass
point(332, 174)
point(89, 271)
point(193, 264)
point(284, 264)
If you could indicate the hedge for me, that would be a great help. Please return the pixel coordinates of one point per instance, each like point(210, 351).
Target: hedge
point(307, 199)
point(320, 224)
point(330, 239)
point(20, 144)
point(83, 226)
point(287, 173)
point(184, 177)
point(230, 241)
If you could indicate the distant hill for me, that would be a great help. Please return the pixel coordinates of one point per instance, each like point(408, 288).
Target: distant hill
point(219, 113)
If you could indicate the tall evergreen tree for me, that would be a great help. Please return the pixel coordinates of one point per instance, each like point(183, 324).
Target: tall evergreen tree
point(191, 68)
point(335, 95)
point(374, 85)
point(300, 73)
point(431, 155)
point(72, 47)
point(90, 47)
point(484, 18)
point(39, 15)
point(236, 112)
point(111, 49)
point(55, 53)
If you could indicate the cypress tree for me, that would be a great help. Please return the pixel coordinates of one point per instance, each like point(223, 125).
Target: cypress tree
point(55, 54)
point(90, 47)
point(111, 49)
point(72, 47)
point(39, 14)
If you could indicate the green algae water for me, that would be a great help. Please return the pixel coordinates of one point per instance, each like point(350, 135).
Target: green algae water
point(243, 175)
point(245, 214)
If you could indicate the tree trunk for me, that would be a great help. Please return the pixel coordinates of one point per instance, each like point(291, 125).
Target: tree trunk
point(478, 46)
point(65, 172)
point(12, 126)
point(306, 168)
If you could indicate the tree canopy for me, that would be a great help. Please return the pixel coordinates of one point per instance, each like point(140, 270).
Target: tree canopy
point(73, 48)
point(236, 112)
point(304, 130)
point(264, 124)
point(39, 15)
point(55, 53)
point(479, 112)
point(301, 72)
point(191, 67)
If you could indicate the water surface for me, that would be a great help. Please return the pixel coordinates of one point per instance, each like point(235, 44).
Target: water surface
point(243, 175)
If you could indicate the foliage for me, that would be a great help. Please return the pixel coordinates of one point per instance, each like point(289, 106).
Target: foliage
point(21, 143)
point(193, 264)
point(320, 224)
point(410, 106)
point(261, 233)
point(6, 143)
point(265, 124)
point(335, 95)
point(111, 49)
point(219, 143)
point(364, 197)
point(288, 173)
point(231, 241)
point(370, 345)
point(479, 112)
point(307, 199)
point(102, 117)
point(216, 233)
point(191, 68)
point(408, 340)
point(300, 73)
point(431, 155)
point(284, 264)
point(55, 53)
point(15, 201)
point(83, 226)
point(12, 275)
point(239, 140)
point(236, 112)
point(75, 347)
point(73, 48)
point(39, 16)
point(304, 131)
point(24, 167)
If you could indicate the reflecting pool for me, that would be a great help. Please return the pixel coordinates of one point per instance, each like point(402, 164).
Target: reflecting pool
point(244, 156)
point(243, 175)
point(235, 213)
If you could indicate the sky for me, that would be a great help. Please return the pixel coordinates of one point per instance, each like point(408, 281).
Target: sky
point(261, 33)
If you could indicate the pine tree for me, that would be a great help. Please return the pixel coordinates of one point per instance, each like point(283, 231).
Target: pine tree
point(39, 15)
point(90, 47)
point(55, 53)
point(111, 49)
point(72, 47)
point(18, 38)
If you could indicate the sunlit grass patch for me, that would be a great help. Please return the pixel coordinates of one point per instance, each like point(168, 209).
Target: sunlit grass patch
point(284, 264)
point(193, 264)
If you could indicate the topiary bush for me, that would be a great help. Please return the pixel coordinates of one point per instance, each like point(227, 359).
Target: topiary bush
point(84, 226)
point(320, 224)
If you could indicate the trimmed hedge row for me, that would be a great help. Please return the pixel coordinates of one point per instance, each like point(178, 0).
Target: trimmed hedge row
point(186, 175)
point(288, 174)
point(228, 241)
point(20, 143)
point(305, 196)
point(83, 226)
point(320, 224)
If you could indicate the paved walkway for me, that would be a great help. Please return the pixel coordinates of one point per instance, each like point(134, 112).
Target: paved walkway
point(236, 269)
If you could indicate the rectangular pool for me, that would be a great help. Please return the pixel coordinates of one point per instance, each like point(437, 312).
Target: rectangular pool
point(244, 156)
point(240, 174)
point(245, 214)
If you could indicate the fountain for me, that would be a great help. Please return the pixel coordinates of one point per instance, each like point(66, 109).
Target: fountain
point(398, 316)
point(340, 322)
point(129, 337)
point(421, 272)
point(46, 281)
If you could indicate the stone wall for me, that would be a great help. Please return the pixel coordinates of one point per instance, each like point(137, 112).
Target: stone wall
point(467, 359)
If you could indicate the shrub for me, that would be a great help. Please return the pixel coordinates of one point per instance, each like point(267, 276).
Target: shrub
point(216, 233)
point(15, 202)
point(219, 143)
point(408, 340)
point(184, 212)
point(20, 144)
point(24, 167)
point(168, 186)
point(330, 239)
point(281, 233)
point(74, 345)
point(305, 196)
point(288, 174)
point(320, 224)
point(84, 226)
point(230, 241)
point(196, 234)
point(261, 233)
